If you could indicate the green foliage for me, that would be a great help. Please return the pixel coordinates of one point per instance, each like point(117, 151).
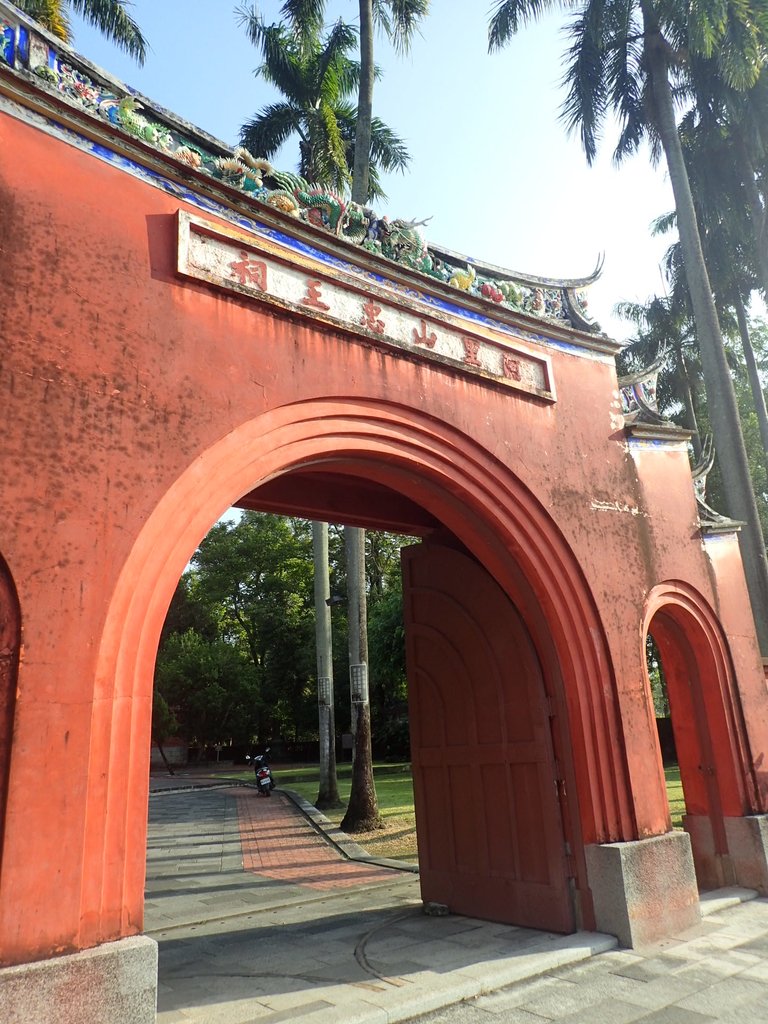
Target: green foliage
point(316, 75)
point(675, 795)
point(665, 325)
point(607, 67)
point(236, 661)
point(657, 679)
point(749, 424)
point(164, 721)
point(389, 685)
point(110, 17)
point(209, 687)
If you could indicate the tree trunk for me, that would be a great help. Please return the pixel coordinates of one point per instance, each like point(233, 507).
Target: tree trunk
point(755, 384)
point(691, 422)
point(166, 762)
point(328, 792)
point(363, 810)
point(364, 106)
point(721, 398)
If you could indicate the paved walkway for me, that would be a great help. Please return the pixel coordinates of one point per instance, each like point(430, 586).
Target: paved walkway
point(260, 920)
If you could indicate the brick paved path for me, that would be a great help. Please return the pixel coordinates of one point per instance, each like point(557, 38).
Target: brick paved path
point(279, 843)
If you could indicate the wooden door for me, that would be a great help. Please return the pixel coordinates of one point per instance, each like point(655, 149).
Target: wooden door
point(490, 838)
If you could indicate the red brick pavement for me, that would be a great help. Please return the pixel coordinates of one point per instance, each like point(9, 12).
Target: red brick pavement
point(279, 843)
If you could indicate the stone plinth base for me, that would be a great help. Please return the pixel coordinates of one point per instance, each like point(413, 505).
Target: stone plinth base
point(112, 984)
point(748, 848)
point(645, 890)
point(713, 870)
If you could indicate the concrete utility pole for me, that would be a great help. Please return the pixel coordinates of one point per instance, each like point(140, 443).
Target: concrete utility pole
point(328, 792)
point(363, 810)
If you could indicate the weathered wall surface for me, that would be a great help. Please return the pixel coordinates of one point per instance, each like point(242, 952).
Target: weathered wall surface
point(137, 406)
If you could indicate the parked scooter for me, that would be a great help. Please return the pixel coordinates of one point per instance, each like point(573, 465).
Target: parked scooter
point(264, 781)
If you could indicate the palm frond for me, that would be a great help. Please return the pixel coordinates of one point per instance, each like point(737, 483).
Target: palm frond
point(306, 19)
point(50, 14)
point(585, 75)
point(507, 16)
point(331, 66)
point(375, 189)
point(111, 17)
point(625, 75)
point(740, 52)
point(326, 160)
point(281, 61)
point(664, 223)
point(271, 128)
point(388, 150)
point(402, 20)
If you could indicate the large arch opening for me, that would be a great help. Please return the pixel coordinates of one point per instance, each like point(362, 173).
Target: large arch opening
point(368, 464)
point(709, 736)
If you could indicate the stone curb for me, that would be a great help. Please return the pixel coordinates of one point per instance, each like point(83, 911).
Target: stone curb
point(195, 786)
point(721, 899)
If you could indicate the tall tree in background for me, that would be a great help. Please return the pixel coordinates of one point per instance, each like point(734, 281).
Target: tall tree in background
point(400, 20)
point(363, 809)
point(725, 140)
point(328, 790)
point(257, 574)
point(110, 17)
point(314, 75)
point(624, 57)
point(317, 76)
point(664, 325)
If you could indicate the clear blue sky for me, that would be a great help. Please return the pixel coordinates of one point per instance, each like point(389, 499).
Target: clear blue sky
point(490, 160)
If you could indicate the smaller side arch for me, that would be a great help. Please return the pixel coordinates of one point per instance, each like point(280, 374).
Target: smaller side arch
point(707, 723)
point(10, 646)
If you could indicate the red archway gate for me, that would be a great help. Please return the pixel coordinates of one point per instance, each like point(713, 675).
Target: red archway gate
point(174, 344)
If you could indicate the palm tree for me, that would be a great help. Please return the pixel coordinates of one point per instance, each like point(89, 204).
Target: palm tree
point(370, 145)
point(110, 17)
point(316, 76)
point(664, 325)
point(730, 231)
point(625, 56)
point(399, 19)
point(731, 125)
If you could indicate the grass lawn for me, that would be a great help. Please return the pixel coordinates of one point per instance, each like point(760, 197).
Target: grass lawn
point(675, 795)
point(394, 788)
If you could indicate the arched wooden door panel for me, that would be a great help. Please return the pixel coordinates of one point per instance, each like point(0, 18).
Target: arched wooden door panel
point(490, 837)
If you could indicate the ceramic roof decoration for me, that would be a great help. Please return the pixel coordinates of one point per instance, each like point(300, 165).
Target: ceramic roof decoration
point(711, 521)
point(30, 50)
point(638, 394)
